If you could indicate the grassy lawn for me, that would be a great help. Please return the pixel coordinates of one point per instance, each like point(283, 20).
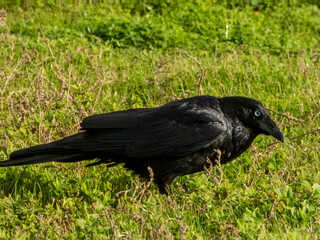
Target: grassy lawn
point(63, 63)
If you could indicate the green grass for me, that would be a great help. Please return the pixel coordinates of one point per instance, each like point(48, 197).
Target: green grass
point(120, 56)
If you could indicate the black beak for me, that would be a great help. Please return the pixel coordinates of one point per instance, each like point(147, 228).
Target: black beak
point(278, 135)
point(272, 129)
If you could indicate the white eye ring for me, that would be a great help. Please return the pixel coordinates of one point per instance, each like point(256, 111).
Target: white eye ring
point(257, 113)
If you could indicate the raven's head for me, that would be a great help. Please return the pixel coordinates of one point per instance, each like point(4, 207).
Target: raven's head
point(253, 115)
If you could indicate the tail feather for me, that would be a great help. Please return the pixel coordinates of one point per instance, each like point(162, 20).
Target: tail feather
point(42, 158)
point(40, 149)
point(58, 151)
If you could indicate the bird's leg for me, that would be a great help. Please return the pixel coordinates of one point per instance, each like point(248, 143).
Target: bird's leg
point(164, 189)
point(164, 184)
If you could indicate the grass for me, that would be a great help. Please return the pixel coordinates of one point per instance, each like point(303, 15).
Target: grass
point(120, 56)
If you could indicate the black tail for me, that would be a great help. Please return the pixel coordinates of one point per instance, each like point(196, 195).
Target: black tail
point(64, 150)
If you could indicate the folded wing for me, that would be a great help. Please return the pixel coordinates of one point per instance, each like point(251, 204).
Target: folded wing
point(175, 129)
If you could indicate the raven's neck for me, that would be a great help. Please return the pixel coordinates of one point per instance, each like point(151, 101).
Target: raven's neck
point(240, 140)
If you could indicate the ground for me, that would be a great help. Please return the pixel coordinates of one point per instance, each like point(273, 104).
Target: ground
point(61, 63)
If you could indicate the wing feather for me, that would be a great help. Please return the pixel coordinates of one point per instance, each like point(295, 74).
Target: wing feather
point(175, 129)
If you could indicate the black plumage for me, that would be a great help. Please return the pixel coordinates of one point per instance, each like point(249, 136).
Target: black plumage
point(173, 140)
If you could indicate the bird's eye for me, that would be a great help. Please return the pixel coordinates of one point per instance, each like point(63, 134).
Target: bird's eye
point(257, 113)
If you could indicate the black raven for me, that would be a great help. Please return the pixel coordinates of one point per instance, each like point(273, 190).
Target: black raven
point(173, 140)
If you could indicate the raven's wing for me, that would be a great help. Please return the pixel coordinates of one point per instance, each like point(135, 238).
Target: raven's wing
point(175, 129)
